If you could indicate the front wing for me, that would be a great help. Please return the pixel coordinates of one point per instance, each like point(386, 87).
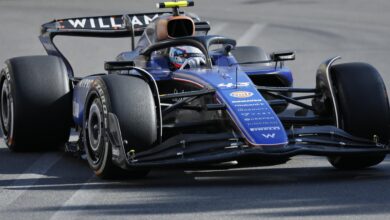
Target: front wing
point(207, 149)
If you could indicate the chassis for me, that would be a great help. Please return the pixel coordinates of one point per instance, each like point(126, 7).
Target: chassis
point(142, 114)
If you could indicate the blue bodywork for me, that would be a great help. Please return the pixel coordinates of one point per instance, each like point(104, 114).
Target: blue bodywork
point(220, 116)
point(247, 108)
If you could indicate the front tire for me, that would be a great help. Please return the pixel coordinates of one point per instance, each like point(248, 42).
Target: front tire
point(363, 109)
point(130, 99)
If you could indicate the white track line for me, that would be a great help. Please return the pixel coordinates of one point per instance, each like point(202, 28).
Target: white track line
point(2, 142)
point(218, 28)
point(28, 178)
point(79, 199)
point(251, 34)
point(37, 186)
point(2, 145)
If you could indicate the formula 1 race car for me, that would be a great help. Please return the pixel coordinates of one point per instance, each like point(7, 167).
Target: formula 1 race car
point(183, 98)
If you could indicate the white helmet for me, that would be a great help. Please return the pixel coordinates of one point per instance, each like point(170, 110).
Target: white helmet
point(183, 56)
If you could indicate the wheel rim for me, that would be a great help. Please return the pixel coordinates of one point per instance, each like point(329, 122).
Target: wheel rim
point(95, 132)
point(7, 114)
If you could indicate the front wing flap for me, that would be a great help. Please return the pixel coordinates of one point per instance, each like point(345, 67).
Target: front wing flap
point(203, 149)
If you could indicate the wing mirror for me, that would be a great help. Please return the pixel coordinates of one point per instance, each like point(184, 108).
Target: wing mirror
point(118, 65)
point(282, 56)
point(227, 48)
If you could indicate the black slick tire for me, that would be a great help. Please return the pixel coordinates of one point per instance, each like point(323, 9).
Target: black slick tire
point(36, 103)
point(131, 100)
point(363, 109)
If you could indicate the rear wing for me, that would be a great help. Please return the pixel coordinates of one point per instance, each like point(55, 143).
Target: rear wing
point(101, 26)
point(112, 26)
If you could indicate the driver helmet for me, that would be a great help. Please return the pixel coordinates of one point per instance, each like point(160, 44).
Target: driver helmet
point(179, 55)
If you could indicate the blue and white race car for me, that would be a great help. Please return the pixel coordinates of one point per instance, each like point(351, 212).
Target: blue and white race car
point(183, 98)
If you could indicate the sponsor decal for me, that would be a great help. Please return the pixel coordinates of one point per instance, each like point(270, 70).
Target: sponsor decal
point(259, 118)
point(232, 85)
point(248, 109)
point(260, 123)
point(241, 94)
point(96, 23)
point(268, 136)
point(86, 83)
point(247, 100)
point(103, 100)
point(274, 128)
point(105, 22)
point(247, 105)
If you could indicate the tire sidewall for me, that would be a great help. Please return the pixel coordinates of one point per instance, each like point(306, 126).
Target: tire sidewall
point(346, 123)
point(6, 76)
point(344, 103)
point(115, 97)
point(98, 91)
point(41, 101)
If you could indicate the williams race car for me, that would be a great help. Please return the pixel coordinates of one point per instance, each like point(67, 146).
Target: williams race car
point(183, 98)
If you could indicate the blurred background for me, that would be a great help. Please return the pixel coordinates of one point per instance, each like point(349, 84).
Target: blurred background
point(357, 30)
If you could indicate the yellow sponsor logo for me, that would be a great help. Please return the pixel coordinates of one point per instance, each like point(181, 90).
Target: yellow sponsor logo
point(241, 94)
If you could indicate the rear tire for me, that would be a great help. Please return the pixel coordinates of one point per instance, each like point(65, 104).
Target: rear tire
point(36, 106)
point(130, 99)
point(363, 109)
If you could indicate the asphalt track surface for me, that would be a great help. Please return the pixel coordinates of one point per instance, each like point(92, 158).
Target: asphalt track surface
point(56, 186)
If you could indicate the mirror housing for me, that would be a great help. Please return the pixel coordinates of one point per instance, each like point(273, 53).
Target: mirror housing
point(282, 56)
point(227, 48)
point(118, 65)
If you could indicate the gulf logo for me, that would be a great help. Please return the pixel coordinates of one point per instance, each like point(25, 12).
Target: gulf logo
point(241, 94)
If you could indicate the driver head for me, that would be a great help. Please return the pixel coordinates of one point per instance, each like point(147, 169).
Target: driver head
point(179, 55)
